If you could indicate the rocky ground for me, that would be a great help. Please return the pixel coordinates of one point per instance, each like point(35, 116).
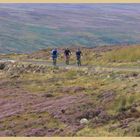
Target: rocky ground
point(40, 100)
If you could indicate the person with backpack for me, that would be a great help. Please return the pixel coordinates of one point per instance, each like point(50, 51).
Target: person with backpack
point(78, 56)
point(67, 54)
point(54, 54)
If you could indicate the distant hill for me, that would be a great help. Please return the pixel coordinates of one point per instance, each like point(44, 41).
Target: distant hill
point(30, 27)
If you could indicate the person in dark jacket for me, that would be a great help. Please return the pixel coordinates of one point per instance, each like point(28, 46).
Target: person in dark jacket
point(67, 54)
point(78, 56)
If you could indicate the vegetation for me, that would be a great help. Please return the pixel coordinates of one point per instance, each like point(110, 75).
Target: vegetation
point(127, 54)
point(41, 100)
point(115, 56)
point(25, 30)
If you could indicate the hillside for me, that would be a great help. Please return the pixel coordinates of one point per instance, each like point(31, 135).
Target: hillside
point(93, 100)
point(128, 55)
point(30, 27)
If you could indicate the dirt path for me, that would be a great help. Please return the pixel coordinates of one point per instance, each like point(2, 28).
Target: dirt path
point(74, 66)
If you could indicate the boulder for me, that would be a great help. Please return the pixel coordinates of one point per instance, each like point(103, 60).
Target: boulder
point(84, 121)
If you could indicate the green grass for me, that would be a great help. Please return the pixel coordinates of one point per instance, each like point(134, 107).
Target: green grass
point(128, 54)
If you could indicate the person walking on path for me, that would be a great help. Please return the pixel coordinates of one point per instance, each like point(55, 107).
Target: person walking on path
point(78, 56)
point(67, 54)
point(54, 54)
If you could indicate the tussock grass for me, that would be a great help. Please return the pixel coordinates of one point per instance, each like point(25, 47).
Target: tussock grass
point(125, 54)
point(99, 131)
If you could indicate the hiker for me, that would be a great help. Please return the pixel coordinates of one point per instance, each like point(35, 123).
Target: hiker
point(67, 54)
point(54, 54)
point(78, 56)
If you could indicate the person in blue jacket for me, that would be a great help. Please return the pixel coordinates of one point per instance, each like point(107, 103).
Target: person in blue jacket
point(54, 54)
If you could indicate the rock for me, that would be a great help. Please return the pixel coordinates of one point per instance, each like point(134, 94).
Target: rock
point(84, 121)
point(2, 66)
point(17, 68)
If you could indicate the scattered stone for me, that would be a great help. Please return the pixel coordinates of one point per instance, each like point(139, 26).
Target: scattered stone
point(84, 121)
point(2, 66)
point(17, 68)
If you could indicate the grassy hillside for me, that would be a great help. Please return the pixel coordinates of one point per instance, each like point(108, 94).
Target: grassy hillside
point(30, 27)
point(47, 101)
point(42, 100)
point(106, 56)
point(128, 54)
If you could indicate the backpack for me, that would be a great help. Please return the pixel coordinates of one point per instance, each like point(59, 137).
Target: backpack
point(54, 53)
point(78, 53)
